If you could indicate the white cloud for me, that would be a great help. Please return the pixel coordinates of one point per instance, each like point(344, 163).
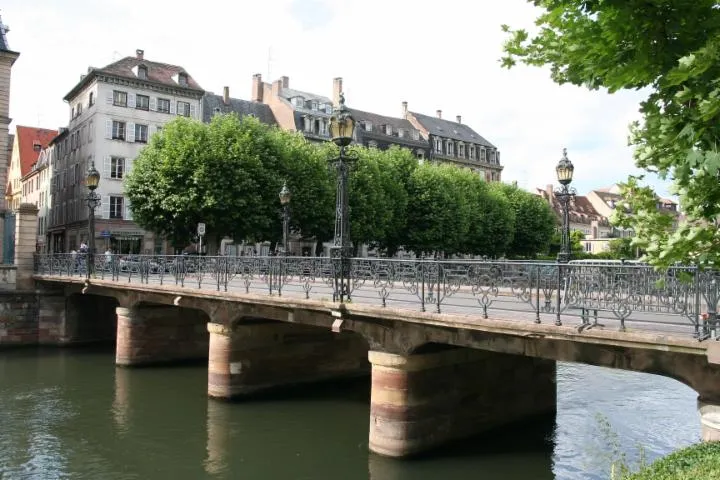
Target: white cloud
point(435, 56)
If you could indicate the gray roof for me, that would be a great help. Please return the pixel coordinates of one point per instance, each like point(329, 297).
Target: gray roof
point(378, 120)
point(290, 93)
point(211, 102)
point(3, 39)
point(448, 129)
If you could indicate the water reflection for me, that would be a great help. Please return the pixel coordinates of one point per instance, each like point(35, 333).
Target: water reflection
point(73, 414)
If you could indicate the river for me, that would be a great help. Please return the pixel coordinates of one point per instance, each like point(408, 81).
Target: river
point(72, 414)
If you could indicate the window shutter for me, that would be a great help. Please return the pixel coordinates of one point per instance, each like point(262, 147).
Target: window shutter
point(109, 98)
point(172, 108)
point(107, 164)
point(130, 134)
point(192, 110)
point(128, 210)
point(108, 128)
point(128, 166)
point(131, 100)
point(104, 206)
point(153, 103)
point(152, 129)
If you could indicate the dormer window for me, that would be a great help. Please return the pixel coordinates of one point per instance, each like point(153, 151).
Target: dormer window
point(388, 129)
point(401, 132)
point(450, 147)
point(416, 135)
point(368, 126)
point(461, 150)
point(142, 73)
point(182, 79)
point(472, 152)
point(298, 101)
point(438, 145)
point(328, 108)
point(37, 147)
point(314, 105)
point(483, 155)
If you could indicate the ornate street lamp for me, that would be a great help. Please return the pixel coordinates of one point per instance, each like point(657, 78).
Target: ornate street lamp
point(285, 202)
point(342, 126)
point(564, 195)
point(92, 180)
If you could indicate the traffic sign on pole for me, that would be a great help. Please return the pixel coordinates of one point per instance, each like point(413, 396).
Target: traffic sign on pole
point(201, 229)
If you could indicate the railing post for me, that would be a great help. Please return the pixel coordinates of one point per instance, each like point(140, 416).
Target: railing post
point(422, 283)
point(537, 293)
point(558, 321)
point(440, 279)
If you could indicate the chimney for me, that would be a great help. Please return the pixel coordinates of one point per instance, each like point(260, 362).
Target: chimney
point(459, 119)
point(337, 90)
point(439, 113)
point(257, 89)
point(139, 54)
point(404, 110)
point(277, 87)
point(285, 82)
point(226, 95)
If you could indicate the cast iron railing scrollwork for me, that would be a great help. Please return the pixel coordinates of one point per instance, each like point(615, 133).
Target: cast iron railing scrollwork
point(582, 294)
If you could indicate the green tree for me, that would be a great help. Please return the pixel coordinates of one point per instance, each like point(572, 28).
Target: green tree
point(535, 222)
point(622, 248)
point(672, 48)
point(228, 174)
point(437, 221)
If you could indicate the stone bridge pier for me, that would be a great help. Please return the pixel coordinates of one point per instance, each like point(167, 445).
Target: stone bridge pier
point(423, 400)
point(256, 355)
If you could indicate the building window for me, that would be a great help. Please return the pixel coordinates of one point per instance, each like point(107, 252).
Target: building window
point(314, 105)
point(483, 155)
point(118, 130)
point(183, 108)
point(416, 135)
point(401, 132)
point(492, 156)
point(388, 130)
point(438, 145)
point(588, 247)
point(142, 72)
point(142, 102)
point(141, 133)
point(79, 109)
point(119, 98)
point(461, 150)
point(91, 102)
point(117, 167)
point(368, 126)
point(116, 207)
point(328, 108)
point(182, 79)
point(450, 148)
point(163, 105)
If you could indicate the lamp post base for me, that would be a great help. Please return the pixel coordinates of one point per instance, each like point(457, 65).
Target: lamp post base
point(563, 257)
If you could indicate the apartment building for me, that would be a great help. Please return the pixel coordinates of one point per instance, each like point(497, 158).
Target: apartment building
point(114, 111)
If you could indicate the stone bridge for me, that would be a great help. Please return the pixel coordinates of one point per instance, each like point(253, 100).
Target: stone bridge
point(453, 347)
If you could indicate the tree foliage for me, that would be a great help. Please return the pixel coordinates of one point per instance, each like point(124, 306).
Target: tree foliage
point(228, 174)
point(535, 222)
point(672, 48)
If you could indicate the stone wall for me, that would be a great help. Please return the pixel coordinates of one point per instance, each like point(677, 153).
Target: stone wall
point(18, 318)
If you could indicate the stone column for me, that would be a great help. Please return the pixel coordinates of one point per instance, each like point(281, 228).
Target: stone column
point(25, 241)
point(152, 334)
point(220, 375)
point(258, 356)
point(422, 401)
point(709, 420)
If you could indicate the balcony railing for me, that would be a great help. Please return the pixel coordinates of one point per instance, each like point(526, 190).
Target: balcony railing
point(681, 300)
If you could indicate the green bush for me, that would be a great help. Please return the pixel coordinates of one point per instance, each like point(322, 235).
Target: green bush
point(697, 462)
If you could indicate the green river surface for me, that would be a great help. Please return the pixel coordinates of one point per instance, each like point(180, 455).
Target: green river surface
point(70, 413)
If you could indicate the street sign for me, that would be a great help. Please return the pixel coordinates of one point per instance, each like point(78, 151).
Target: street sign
point(201, 229)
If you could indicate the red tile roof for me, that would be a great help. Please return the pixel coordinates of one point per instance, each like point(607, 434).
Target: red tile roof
point(28, 138)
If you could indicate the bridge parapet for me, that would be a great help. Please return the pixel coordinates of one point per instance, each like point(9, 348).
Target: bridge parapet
point(681, 300)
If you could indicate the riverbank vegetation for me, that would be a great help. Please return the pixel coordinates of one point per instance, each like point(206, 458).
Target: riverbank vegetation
point(697, 462)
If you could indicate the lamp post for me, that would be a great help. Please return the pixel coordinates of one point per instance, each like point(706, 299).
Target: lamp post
point(285, 202)
point(342, 126)
point(564, 195)
point(92, 179)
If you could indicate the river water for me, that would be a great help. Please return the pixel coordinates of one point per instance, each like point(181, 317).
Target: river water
point(72, 414)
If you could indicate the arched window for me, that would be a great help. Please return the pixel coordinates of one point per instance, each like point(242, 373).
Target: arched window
point(91, 101)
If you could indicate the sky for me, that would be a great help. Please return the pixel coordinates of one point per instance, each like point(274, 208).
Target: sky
point(434, 55)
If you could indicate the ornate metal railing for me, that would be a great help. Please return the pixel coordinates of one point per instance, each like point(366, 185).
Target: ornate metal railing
point(681, 300)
